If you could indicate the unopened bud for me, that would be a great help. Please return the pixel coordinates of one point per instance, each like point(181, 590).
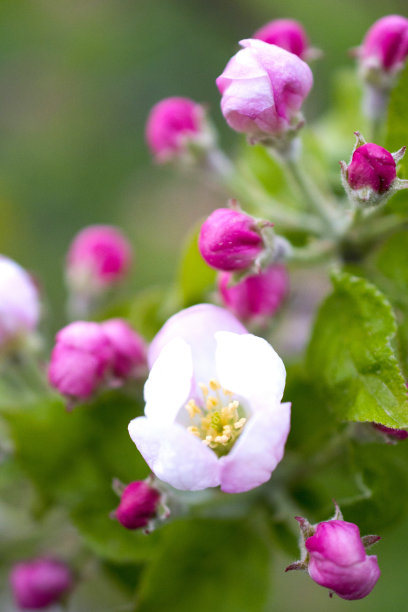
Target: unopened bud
point(393, 435)
point(129, 350)
point(138, 505)
point(370, 178)
point(287, 34)
point(40, 583)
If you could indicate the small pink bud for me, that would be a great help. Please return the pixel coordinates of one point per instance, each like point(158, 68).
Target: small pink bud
point(230, 240)
point(129, 350)
point(19, 302)
point(80, 359)
point(285, 33)
point(371, 166)
point(40, 583)
point(171, 125)
point(256, 297)
point(396, 434)
point(99, 257)
point(385, 46)
point(138, 505)
point(263, 88)
point(338, 560)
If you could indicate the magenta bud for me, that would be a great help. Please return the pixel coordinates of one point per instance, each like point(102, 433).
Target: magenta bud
point(371, 166)
point(138, 505)
point(263, 88)
point(40, 583)
point(256, 297)
point(172, 124)
point(98, 258)
point(80, 359)
point(338, 560)
point(129, 350)
point(385, 46)
point(395, 434)
point(285, 33)
point(230, 240)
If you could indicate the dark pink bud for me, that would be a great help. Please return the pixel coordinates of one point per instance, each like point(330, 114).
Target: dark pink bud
point(257, 297)
point(371, 166)
point(285, 33)
point(40, 583)
point(385, 45)
point(129, 350)
point(172, 122)
point(80, 359)
point(338, 560)
point(230, 240)
point(99, 256)
point(397, 434)
point(138, 505)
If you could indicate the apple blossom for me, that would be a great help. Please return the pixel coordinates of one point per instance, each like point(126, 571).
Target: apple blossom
point(263, 88)
point(40, 583)
point(385, 46)
point(213, 414)
point(138, 505)
point(285, 33)
point(128, 349)
point(19, 302)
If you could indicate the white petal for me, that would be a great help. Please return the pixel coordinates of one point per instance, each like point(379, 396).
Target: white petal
point(257, 451)
point(175, 455)
point(169, 384)
point(248, 366)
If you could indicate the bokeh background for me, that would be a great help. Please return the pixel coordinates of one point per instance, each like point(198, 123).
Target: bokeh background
point(77, 80)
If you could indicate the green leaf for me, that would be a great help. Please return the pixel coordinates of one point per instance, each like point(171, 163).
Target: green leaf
point(351, 357)
point(397, 120)
point(391, 260)
point(208, 565)
point(195, 277)
point(72, 459)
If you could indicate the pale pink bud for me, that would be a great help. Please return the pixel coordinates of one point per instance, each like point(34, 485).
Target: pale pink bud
point(385, 46)
point(285, 33)
point(263, 88)
point(129, 350)
point(138, 505)
point(371, 166)
point(230, 240)
point(99, 257)
point(256, 297)
point(19, 302)
point(40, 583)
point(338, 560)
point(171, 125)
point(80, 359)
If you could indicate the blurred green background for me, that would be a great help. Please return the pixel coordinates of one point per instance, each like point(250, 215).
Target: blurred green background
point(77, 80)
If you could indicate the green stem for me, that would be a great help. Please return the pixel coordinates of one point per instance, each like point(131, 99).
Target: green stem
point(317, 252)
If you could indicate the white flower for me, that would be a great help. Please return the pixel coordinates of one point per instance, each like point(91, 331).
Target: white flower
point(213, 414)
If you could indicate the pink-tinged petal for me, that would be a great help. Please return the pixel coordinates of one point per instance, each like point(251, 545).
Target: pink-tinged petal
point(337, 541)
point(74, 373)
point(169, 384)
point(257, 451)
point(175, 455)
point(197, 326)
point(352, 582)
point(249, 366)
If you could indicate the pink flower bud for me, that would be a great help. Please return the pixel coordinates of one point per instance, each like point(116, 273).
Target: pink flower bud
point(230, 240)
point(19, 302)
point(257, 297)
point(385, 46)
point(396, 434)
point(171, 125)
point(40, 583)
point(263, 88)
point(371, 166)
point(80, 359)
point(129, 350)
point(338, 560)
point(99, 257)
point(285, 33)
point(138, 505)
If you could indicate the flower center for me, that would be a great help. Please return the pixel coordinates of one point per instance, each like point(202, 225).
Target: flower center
point(219, 421)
